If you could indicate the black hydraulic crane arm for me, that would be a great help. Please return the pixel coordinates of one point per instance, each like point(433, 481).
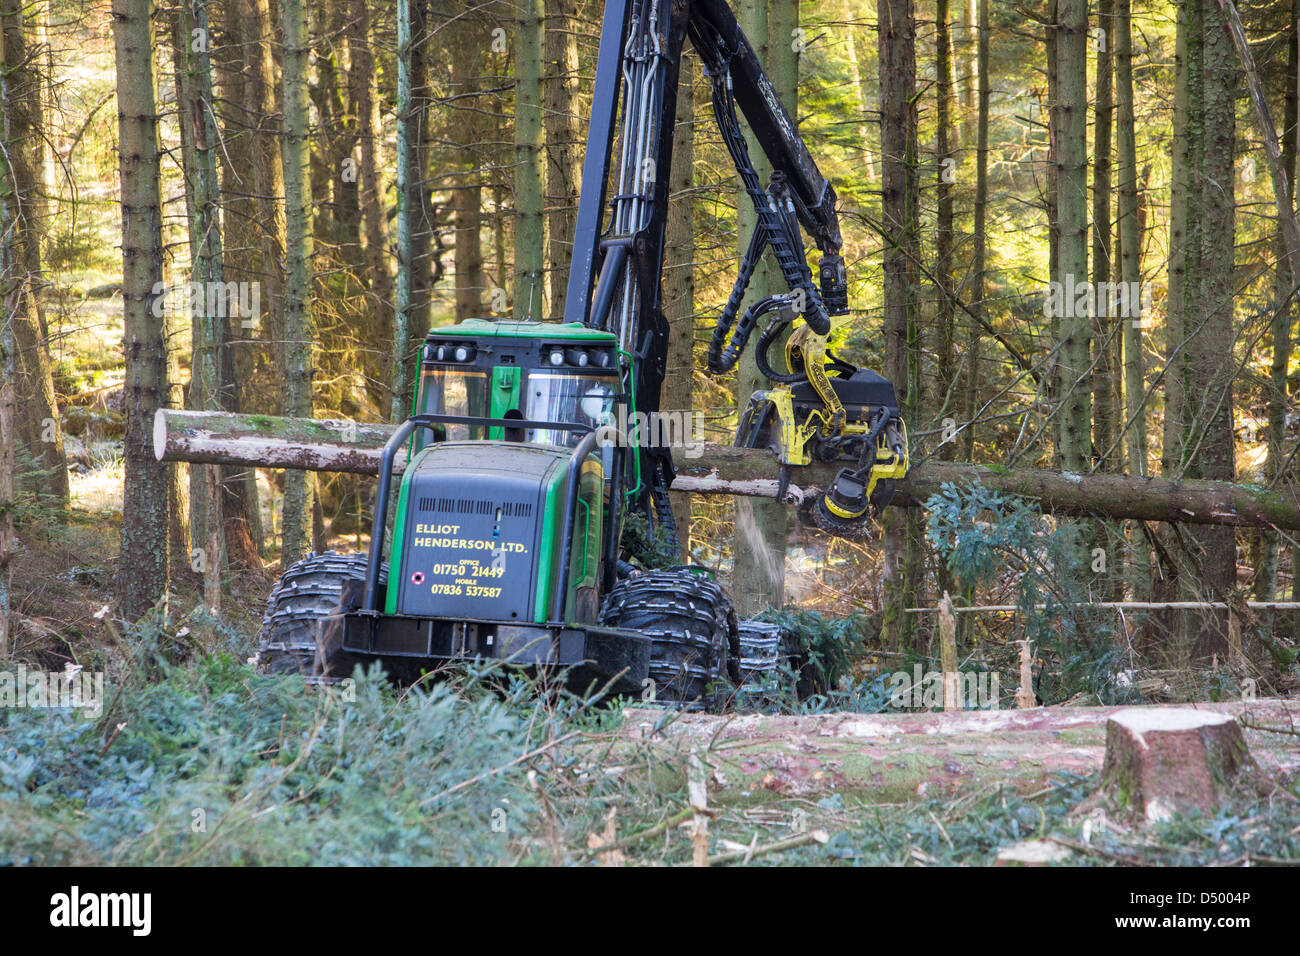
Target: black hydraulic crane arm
point(724, 47)
point(731, 62)
point(615, 274)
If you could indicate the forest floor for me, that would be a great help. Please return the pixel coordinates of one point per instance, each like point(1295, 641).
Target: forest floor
point(197, 759)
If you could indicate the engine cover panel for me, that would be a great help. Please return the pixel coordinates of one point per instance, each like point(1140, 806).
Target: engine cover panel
point(474, 530)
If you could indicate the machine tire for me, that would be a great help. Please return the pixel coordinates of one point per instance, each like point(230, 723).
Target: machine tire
point(296, 637)
point(695, 649)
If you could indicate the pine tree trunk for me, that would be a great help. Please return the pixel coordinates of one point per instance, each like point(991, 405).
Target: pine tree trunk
point(1266, 558)
point(199, 163)
point(979, 239)
point(1131, 245)
point(299, 328)
point(40, 463)
point(143, 564)
point(364, 100)
point(1105, 326)
point(899, 213)
point(1210, 443)
point(467, 197)
point(564, 147)
point(426, 265)
point(679, 277)
point(407, 176)
point(530, 227)
point(759, 536)
point(1074, 425)
point(253, 244)
point(944, 161)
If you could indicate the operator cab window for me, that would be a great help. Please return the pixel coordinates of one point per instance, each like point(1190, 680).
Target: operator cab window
point(567, 397)
point(453, 392)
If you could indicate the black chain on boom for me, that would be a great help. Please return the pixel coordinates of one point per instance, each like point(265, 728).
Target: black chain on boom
point(772, 223)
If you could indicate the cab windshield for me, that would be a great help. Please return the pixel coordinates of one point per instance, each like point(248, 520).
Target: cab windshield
point(567, 397)
point(453, 392)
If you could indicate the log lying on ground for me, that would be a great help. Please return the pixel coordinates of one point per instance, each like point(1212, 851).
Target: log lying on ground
point(1162, 762)
point(322, 445)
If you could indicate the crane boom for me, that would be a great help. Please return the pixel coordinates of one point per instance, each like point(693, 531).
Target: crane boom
point(618, 248)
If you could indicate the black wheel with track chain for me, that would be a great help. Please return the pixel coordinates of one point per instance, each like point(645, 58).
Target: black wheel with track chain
point(695, 651)
point(296, 631)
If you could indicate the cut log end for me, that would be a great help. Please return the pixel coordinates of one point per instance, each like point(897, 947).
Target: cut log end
point(160, 433)
point(1164, 762)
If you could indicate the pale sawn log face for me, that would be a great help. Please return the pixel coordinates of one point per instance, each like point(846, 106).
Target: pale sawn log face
point(330, 445)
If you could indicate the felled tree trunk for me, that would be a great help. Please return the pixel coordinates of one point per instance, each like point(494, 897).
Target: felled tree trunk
point(1165, 762)
point(320, 445)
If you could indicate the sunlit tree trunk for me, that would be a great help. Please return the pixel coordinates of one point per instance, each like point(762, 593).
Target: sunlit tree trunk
point(679, 277)
point(564, 147)
point(1211, 446)
point(143, 563)
point(41, 467)
point(1106, 374)
point(530, 227)
point(899, 213)
point(299, 328)
point(1074, 419)
point(758, 544)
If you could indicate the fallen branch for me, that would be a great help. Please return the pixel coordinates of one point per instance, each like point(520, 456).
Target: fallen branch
point(803, 839)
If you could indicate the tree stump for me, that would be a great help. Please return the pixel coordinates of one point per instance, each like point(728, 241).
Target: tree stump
point(1165, 761)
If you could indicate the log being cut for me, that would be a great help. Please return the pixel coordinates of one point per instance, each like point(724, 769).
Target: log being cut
point(266, 441)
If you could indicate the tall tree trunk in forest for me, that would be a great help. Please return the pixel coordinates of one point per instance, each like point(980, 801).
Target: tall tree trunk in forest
point(426, 251)
point(1169, 580)
point(252, 180)
point(299, 330)
point(978, 255)
point(759, 538)
point(970, 71)
point(407, 184)
point(143, 562)
point(945, 164)
point(865, 97)
point(15, 297)
point(900, 215)
point(1130, 245)
point(1074, 418)
point(1050, 197)
point(530, 227)
point(192, 39)
point(564, 147)
point(1210, 442)
point(1105, 392)
point(467, 193)
point(364, 99)
point(679, 277)
point(1180, 187)
point(945, 345)
point(40, 463)
point(1266, 556)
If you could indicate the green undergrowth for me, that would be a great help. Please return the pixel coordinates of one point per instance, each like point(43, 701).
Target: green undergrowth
point(205, 762)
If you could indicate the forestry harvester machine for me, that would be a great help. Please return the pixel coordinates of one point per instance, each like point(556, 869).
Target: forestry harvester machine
point(506, 533)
